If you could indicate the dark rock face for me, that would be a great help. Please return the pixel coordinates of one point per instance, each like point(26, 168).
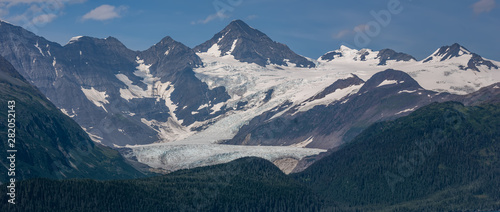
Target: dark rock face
point(477, 60)
point(86, 63)
point(50, 144)
point(388, 54)
point(363, 55)
point(339, 84)
point(252, 46)
point(448, 52)
point(404, 81)
point(331, 55)
point(169, 57)
point(456, 50)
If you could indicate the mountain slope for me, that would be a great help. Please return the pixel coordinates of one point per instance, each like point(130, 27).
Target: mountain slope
point(386, 95)
point(50, 144)
point(441, 157)
point(249, 45)
point(118, 95)
point(247, 184)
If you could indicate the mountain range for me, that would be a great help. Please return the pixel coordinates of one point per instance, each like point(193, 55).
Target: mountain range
point(238, 91)
point(354, 130)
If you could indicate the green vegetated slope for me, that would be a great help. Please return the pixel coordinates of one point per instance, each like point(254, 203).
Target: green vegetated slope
point(441, 157)
point(49, 144)
point(247, 184)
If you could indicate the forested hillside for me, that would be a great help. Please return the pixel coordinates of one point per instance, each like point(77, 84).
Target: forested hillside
point(441, 157)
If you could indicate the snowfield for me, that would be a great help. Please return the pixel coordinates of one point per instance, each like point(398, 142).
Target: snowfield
point(251, 83)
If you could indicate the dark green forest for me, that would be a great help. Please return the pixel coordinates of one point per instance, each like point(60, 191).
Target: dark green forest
point(247, 184)
point(441, 157)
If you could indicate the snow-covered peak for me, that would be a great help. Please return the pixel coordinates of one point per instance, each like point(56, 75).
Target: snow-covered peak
point(74, 39)
point(347, 54)
point(447, 53)
point(366, 56)
point(345, 48)
point(2, 21)
point(250, 45)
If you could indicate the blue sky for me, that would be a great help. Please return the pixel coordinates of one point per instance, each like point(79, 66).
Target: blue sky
point(310, 28)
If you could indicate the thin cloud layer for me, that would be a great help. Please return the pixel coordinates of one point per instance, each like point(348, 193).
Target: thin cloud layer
point(45, 18)
point(36, 12)
point(483, 6)
point(10, 3)
point(210, 18)
point(348, 32)
point(104, 12)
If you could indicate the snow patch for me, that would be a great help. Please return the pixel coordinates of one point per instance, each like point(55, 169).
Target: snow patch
point(96, 97)
point(93, 137)
point(304, 143)
point(214, 50)
point(67, 114)
point(39, 49)
point(388, 82)
point(232, 47)
point(407, 110)
point(407, 91)
point(216, 108)
point(74, 39)
point(168, 131)
point(329, 98)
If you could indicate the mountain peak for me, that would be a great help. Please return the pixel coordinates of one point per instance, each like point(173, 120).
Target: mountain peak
point(391, 78)
point(239, 29)
point(238, 24)
point(82, 38)
point(167, 39)
point(250, 45)
point(344, 48)
point(381, 56)
point(455, 51)
point(448, 52)
point(388, 54)
point(75, 39)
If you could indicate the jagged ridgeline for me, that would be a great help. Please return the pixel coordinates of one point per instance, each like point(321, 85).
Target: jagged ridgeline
point(49, 144)
point(443, 157)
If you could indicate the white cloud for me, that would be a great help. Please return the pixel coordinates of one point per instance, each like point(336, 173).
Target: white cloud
point(29, 2)
point(342, 33)
point(251, 17)
point(33, 13)
point(45, 18)
point(104, 12)
point(483, 6)
point(3, 10)
point(210, 18)
point(348, 32)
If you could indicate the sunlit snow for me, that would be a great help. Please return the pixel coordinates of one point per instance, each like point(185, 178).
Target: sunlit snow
point(96, 97)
